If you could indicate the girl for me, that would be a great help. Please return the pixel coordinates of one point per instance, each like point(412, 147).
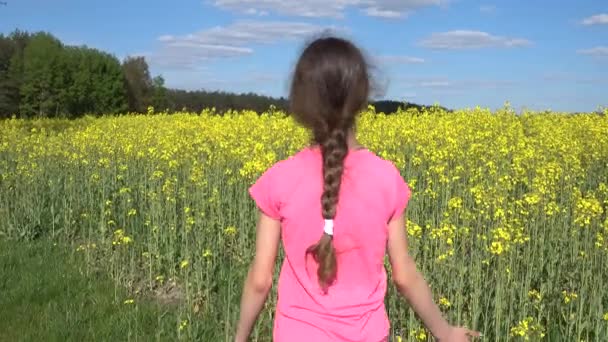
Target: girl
point(337, 208)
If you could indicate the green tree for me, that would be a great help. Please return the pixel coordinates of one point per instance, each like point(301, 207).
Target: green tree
point(160, 99)
point(96, 85)
point(7, 49)
point(110, 89)
point(42, 77)
point(80, 89)
point(139, 85)
point(11, 71)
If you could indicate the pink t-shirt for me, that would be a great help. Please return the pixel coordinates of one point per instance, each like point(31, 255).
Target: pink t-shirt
point(371, 194)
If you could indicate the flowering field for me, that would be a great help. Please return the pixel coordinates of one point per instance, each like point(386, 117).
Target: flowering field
point(508, 221)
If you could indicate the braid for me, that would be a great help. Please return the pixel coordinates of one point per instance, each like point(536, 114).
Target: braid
point(334, 149)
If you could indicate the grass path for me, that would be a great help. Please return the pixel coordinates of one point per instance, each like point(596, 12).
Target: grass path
point(46, 296)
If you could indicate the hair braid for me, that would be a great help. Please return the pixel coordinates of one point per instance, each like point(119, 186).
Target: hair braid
point(334, 150)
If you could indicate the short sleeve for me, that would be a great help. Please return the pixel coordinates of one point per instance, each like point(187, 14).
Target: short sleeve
point(264, 193)
point(402, 194)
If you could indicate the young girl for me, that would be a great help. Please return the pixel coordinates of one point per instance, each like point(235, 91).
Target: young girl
point(337, 208)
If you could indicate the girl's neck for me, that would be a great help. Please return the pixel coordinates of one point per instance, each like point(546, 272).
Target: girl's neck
point(351, 142)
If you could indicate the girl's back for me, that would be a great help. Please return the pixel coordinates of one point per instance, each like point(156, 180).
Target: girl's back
point(371, 192)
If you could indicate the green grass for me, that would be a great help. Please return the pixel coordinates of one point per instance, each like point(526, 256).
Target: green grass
point(45, 295)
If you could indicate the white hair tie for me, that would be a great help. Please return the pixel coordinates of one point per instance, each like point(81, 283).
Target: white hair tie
point(329, 227)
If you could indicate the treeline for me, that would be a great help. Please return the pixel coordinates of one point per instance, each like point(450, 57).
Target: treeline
point(197, 100)
point(388, 107)
point(42, 77)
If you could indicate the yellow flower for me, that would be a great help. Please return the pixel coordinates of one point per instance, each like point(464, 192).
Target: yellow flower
point(132, 212)
point(158, 174)
point(606, 317)
point(230, 231)
point(413, 229)
point(129, 301)
point(85, 247)
point(190, 221)
point(455, 203)
point(569, 296)
point(496, 248)
point(419, 334)
point(207, 253)
point(442, 258)
point(184, 264)
point(183, 324)
point(586, 210)
point(535, 295)
point(527, 329)
point(444, 303)
point(120, 238)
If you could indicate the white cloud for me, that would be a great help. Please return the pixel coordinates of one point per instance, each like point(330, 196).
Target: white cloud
point(375, 12)
point(488, 84)
point(434, 84)
point(311, 8)
point(569, 77)
point(466, 39)
point(598, 19)
point(444, 83)
point(240, 79)
point(187, 51)
point(487, 9)
point(393, 59)
point(598, 51)
point(253, 11)
point(246, 32)
point(328, 8)
point(433, 89)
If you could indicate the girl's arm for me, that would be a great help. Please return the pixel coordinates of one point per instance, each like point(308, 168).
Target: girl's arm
point(415, 289)
point(259, 279)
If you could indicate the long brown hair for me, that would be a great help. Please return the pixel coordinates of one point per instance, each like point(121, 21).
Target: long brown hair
point(330, 85)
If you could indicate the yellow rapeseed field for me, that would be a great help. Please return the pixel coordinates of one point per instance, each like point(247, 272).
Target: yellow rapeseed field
point(508, 219)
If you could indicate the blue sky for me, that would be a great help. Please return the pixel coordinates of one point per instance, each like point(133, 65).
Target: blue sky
point(460, 53)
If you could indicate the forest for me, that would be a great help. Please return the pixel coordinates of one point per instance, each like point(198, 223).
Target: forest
point(42, 77)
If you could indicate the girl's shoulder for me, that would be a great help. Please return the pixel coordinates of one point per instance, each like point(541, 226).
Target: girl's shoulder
point(291, 165)
point(375, 162)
